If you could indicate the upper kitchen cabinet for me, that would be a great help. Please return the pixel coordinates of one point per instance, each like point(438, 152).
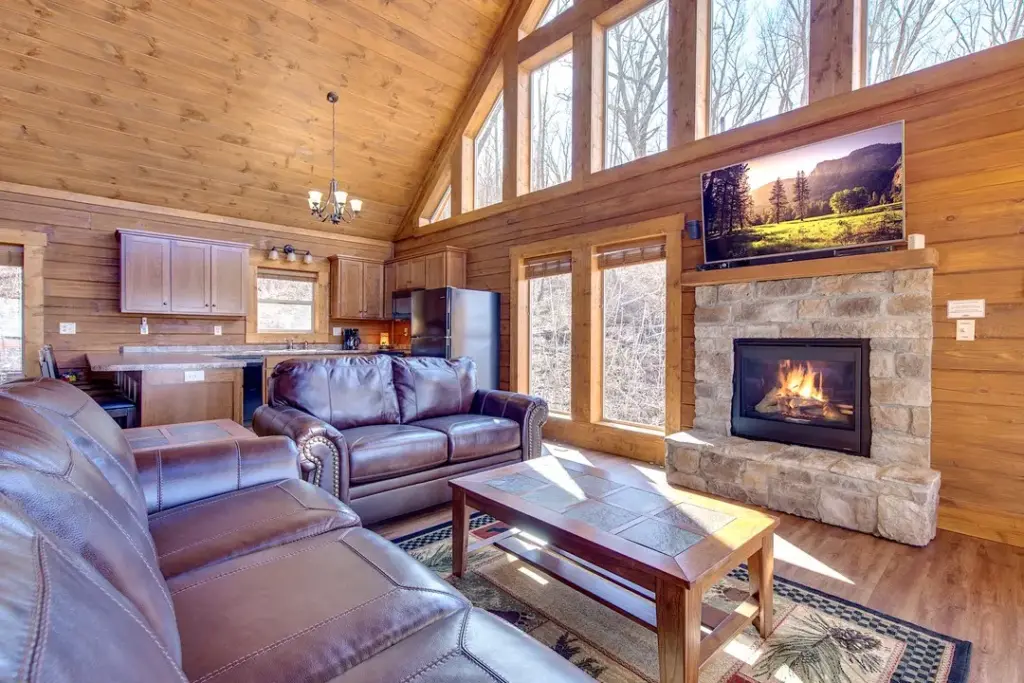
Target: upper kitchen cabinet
point(445, 268)
point(170, 274)
point(357, 288)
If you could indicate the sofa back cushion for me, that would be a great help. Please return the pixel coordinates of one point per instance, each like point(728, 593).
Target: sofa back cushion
point(68, 498)
point(355, 391)
point(61, 621)
point(434, 387)
point(88, 428)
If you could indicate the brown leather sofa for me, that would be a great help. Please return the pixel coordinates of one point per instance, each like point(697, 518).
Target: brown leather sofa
point(212, 563)
point(386, 434)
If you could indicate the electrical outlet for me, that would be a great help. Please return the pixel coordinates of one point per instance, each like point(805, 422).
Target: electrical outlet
point(67, 328)
point(336, 331)
point(195, 375)
point(144, 327)
point(218, 330)
point(965, 330)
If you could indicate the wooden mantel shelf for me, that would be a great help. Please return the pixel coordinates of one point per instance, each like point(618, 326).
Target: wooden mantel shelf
point(840, 265)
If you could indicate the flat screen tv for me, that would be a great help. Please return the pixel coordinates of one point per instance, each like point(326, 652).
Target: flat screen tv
point(810, 202)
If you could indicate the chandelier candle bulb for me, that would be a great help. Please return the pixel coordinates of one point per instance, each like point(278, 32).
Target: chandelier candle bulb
point(357, 205)
point(341, 197)
point(314, 199)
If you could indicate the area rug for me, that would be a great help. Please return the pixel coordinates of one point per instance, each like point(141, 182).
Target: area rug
point(819, 638)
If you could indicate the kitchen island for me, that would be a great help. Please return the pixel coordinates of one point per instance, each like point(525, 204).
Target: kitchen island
point(169, 388)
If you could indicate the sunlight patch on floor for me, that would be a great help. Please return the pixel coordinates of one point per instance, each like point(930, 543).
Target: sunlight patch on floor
point(526, 571)
point(790, 554)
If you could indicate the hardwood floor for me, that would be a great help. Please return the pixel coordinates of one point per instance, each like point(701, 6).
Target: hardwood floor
point(959, 585)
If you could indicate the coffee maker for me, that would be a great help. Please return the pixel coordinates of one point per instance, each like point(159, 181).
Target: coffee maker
point(351, 340)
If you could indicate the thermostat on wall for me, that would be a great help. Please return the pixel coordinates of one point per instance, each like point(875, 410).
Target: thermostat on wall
point(965, 308)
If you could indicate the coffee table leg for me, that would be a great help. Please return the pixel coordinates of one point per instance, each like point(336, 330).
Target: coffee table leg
point(761, 567)
point(678, 613)
point(460, 532)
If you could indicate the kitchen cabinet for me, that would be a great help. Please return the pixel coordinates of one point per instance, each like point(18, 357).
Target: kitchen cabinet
point(357, 288)
point(186, 276)
point(389, 288)
point(145, 274)
point(445, 268)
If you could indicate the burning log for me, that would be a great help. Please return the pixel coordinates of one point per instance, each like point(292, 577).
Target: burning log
point(799, 396)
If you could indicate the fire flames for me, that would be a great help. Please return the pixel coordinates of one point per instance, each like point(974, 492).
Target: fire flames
point(799, 394)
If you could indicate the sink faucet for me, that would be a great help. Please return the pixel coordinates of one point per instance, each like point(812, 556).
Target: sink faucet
point(289, 347)
point(305, 345)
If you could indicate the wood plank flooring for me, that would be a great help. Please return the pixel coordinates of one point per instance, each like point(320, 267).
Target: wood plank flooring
point(965, 587)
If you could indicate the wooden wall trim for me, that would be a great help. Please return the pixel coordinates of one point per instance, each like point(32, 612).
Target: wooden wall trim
point(986, 63)
point(832, 48)
point(33, 246)
point(182, 214)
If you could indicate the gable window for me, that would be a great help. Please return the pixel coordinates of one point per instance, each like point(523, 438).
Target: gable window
point(444, 207)
point(759, 60)
point(636, 87)
point(488, 154)
point(905, 35)
point(550, 329)
point(551, 123)
point(634, 333)
point(284, 301)
point(554, 8)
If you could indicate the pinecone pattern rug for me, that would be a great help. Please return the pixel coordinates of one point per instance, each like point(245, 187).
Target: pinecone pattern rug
point(819, 638)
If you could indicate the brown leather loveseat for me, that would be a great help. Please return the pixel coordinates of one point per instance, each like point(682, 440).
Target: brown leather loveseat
point(386, 434)
point(212, 563)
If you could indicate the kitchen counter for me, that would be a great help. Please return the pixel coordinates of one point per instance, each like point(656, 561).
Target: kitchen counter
point(130, 362)
point(250, 350)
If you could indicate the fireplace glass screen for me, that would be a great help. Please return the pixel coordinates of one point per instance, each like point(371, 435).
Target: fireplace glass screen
point(805, 392)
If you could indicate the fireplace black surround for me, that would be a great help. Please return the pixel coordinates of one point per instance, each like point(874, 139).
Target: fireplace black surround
point(807, 392)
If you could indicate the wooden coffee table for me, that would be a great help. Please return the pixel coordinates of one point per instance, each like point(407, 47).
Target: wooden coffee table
point(646, 550)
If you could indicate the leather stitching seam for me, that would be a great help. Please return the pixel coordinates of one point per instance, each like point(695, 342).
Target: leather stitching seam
point(391, 579)
point(166, 514)
point(230, 531)
point(159, 481)
point(272, 560)
point(470, 656)
point(238, 460)
point(432, 665)
point(293, 636)
point(37, 616)
point(44, 614)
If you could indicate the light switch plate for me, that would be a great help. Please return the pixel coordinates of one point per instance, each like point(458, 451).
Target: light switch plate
point(965, 330)
point(218, 330)
point(67, 328)
point(195, 375)
point(336, 331)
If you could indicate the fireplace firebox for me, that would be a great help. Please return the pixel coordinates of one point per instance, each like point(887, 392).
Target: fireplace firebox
point(808, 392)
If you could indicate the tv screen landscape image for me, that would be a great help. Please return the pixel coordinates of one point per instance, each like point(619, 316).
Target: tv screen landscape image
point(837, 194)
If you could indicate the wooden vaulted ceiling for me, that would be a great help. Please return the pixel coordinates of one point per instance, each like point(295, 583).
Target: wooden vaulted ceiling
point(220, 105)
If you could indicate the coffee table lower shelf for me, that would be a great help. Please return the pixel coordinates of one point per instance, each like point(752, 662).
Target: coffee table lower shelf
point(631, 601)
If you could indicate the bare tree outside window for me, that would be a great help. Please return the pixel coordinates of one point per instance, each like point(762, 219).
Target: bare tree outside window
point(11, 342)
point(554, 8)
point(551, 340)
point(634, 344)
point(551, 123)
point(907, 35)
point(636, 88)
point(444, 206)
point(284, 304)
point(488, 150)
point(758, 60)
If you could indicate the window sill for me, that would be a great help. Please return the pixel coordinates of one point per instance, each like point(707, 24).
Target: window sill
point(632, 427)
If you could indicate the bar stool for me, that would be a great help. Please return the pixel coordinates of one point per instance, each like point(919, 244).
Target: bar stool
point(106, 394)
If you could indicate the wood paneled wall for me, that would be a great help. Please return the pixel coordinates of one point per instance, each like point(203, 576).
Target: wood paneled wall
point(81, 268)
point(964, 191)
point(220, 105)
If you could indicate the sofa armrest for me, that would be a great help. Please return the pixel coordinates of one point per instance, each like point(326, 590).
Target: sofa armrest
point(177, 475)
point(530, 412)
point(323, 452)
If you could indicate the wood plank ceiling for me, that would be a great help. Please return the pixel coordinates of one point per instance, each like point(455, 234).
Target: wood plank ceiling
point(220, 105)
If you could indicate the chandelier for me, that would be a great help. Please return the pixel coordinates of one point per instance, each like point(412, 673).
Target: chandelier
point(338, 206)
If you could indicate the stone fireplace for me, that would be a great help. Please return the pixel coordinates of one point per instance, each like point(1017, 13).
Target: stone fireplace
point(813, 397)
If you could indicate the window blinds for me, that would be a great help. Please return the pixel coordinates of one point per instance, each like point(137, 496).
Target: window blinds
point(632, 253)
point(545, 266)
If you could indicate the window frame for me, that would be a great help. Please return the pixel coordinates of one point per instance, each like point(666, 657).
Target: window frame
point(33, 246)
point(319, 272)
point(528, 326)
point(531, 68)
point(492, 111)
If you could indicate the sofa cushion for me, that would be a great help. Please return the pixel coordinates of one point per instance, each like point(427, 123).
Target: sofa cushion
point(383, 451)
point(474, 436)
point(68, 497)
point(307, 611)
point(61, 622)
point(343, 392)
point(471, 646)
point(244, 521)
point(89, 428)
point(433, 387)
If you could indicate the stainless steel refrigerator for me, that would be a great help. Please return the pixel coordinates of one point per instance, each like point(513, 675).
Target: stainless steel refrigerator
point(450, 322)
